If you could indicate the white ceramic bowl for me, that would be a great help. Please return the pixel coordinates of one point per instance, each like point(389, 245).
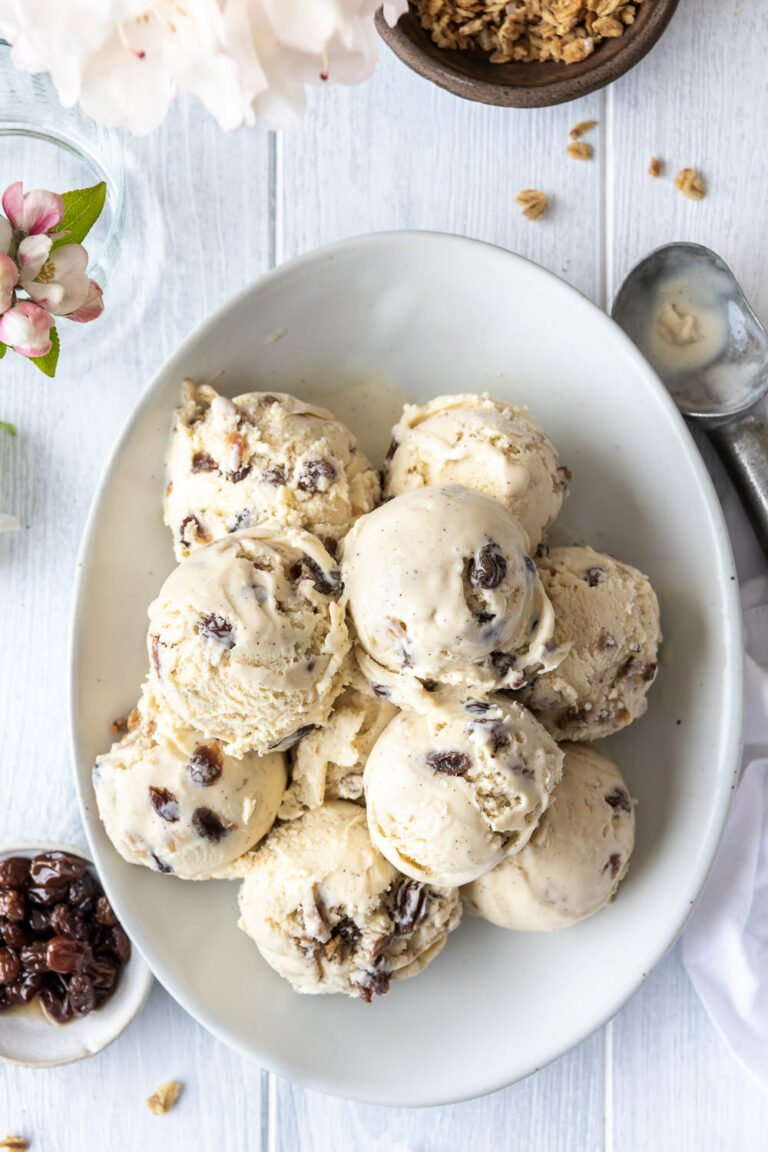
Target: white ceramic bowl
point(27, 1038)
point(427, 313)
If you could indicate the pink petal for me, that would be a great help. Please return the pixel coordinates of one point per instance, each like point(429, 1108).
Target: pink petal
point(25, 328)
point(13, 203)
point(6, 234)
point(9, 275)
point(92, 308)
point(43, 211)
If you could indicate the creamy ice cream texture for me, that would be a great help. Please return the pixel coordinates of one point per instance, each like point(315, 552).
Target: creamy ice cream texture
point(176, 802)
point(576, 858)
point(330, 914)
point(609, 613)
point(454, 791)
point(235, 464)
point(247, 642)
point(443, 594)
point(482, 443)
point(328, 763)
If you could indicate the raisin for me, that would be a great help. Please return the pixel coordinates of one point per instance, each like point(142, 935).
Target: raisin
point(103, 973)
point(316, 476)
point(213, 627)
point(104, 913)
point(164, 803)
point(56, 868)
point(619, 800)
point(208, 825)
point(160, 864)
point(202, 462)
point(65, 955)
point(82, 893)
point(10, 965)
point(393, 446)
point(205, 765)
point(14, 872)
point(13, 905)
point(327, 583)
point(373, 981)
point(530, 567)
point(495, 732)
point(542, 551)
point(430, 685)
point(25, 988)
point(239, 474)
point(156, 655)
point(330, 544)
point(477, 706)
point(484, 617)
point(347, 931)
point(55, 1001)
point(595, 575)
point(119, 945)
point(649, 673)
point(488, 567)
point(65, 921)
point(276, 476)
point(409, 907)
point(15, 935)
point(82, 997)
point(380, 692)
point(449, 763)
point(614, 863)
point(40, 921)
point(564, 475)
point(572, 716)
point(503, 662)
point(605, 641)
point(189, 523)
point(268, 400)
point(34, 957)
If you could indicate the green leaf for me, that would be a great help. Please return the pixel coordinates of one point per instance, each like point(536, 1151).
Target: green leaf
point(47, 364)
point(82, 209)
point(10, 428)
point(3, 349)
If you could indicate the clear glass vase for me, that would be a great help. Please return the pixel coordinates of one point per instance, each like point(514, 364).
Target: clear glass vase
point(48, 146)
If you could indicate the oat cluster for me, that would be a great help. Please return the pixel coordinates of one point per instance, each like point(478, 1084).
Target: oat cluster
point(526, 30)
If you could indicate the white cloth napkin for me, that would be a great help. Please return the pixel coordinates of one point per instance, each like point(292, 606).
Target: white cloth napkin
point(725, 946)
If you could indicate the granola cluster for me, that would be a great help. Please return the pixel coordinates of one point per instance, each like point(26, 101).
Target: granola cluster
point(526, 30)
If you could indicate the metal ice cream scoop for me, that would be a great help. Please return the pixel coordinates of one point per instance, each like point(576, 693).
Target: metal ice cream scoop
point(686, 312)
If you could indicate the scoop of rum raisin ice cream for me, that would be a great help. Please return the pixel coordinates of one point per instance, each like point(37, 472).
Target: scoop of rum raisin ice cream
point(175, 801)
point(328, 763)
point(234, 464)
point(330, 914)
point(576, 858)
point(443, 596)
point(482, 443)
point(246, 639)
point(452, 792)
point(609, 613)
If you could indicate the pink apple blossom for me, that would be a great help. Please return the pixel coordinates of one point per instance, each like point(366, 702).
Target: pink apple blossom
point(92, 308)
point(25, 328)
point(57, 279)
point(6, 234)
point(9, 275)
point(32, 212)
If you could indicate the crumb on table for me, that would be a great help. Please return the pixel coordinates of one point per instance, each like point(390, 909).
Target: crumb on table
point(655, 167)
point(690, 184)
point(533, 202)
point(582, 128)
point(164, 1098)
point(15, 1144)
point(580, 150)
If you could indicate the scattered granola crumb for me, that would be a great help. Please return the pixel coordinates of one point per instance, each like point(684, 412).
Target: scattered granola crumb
point(582, 128)
point(164, 1098)
point(533, 202)
point(690, 184)
point(528, 30)
point(15, 1143)
point(580, 151)
point(655, 168)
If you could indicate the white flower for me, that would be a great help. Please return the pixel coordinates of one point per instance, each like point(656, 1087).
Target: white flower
point(56, 280)
point(125, 59)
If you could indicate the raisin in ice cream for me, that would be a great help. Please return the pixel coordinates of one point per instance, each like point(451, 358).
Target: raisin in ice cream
point(481, 443)
point(328, 764)
point(609, 613)
point(247, 642)
point(330, 914)
point(443, 595)
point(175, 801)
point(234, 464)
point(576, 858)
point(453, 792)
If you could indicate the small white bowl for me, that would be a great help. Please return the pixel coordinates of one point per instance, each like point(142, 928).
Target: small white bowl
point(28, 1038)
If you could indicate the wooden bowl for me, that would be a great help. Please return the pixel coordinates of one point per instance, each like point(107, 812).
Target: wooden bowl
point(470, 74)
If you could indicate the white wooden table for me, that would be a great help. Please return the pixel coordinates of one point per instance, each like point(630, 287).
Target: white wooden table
point(208, 213)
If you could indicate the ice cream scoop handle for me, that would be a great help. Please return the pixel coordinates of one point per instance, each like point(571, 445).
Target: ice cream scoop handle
point(743, 448)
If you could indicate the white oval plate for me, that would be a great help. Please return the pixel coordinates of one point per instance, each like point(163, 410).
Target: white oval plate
point(427, 313)
point(29, 1039)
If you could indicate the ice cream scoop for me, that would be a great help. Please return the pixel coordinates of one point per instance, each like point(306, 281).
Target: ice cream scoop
point(686, 312)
